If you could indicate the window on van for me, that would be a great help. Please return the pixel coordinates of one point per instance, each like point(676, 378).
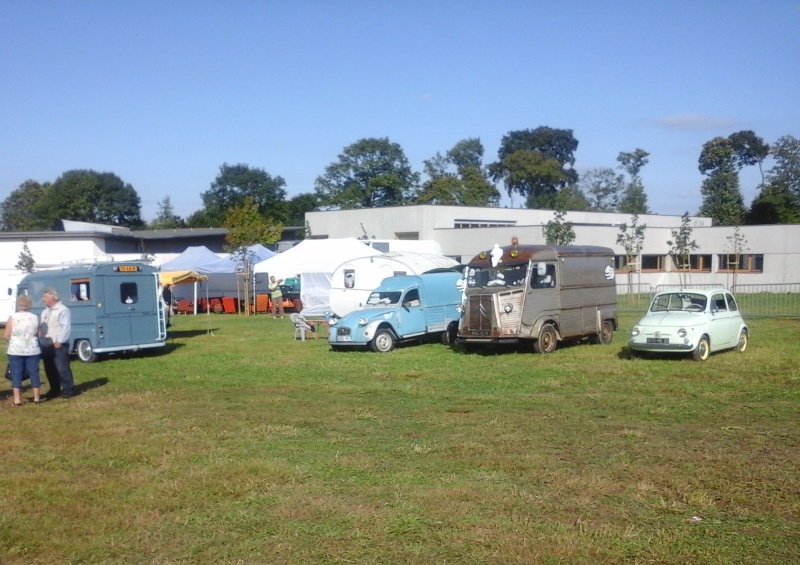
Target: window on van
point(80, 290)
point(506, 275)
point(547, 280)
point(412, 298)
point(128, 293)
point(383, 298)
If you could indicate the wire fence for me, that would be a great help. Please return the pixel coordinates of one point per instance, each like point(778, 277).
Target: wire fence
point(755, 300)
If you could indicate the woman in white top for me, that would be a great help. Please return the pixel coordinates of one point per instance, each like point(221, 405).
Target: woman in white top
point(21, 333)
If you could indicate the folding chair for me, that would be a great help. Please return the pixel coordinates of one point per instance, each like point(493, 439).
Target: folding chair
point(301, 326)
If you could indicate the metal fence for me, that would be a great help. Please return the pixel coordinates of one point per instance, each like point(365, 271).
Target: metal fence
point(755, 300)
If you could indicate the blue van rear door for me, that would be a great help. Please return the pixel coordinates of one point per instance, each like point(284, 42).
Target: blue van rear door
point(131, 315)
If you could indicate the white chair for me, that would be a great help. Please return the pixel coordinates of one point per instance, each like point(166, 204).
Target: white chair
point(301, 326)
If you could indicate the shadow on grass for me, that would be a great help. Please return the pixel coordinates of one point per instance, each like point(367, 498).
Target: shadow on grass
point(180, 334)
point(81, 388)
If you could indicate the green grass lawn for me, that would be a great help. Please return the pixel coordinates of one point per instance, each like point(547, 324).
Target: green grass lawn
point(236, 444)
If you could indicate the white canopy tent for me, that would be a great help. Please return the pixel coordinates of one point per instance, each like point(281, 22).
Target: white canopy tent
point(314, 260)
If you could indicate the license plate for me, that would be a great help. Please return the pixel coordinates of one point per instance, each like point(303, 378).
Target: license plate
point(661, 340)
point(480, 333)
point(343, 338)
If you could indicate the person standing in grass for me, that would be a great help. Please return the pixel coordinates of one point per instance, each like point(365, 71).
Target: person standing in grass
point(276, 295)
point(54, 340)
point(21, 333)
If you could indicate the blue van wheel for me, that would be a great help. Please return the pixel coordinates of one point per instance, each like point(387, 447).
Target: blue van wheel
point(84, 350)
point(383, 342)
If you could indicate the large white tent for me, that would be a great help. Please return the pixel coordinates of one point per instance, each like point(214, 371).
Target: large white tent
point(223, 275)
point(318, 257)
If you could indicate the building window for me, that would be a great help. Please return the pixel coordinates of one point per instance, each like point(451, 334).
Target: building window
point(409, 235)
point(620, 262)
point(700, 263)
point(746, 264)
point(653, 263)
point(466, 224)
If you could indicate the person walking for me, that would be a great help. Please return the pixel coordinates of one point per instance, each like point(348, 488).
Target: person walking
point(21, 333)
point(276, 295)
point(54, 341)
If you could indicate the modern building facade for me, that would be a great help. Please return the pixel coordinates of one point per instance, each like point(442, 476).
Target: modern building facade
point(767, 255)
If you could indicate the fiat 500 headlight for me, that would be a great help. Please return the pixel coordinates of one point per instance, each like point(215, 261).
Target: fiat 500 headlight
point(635, 331)
point(682, 332)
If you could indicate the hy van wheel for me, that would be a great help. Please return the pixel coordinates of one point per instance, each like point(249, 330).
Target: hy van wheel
point(742, 345)
point(383, 342)
point(703, 349)
point(548, 340)
point(85, 351)
point(449, 335)
point(606, 333)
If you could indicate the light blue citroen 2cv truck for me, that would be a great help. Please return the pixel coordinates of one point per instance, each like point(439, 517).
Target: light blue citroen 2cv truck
point(403, 308)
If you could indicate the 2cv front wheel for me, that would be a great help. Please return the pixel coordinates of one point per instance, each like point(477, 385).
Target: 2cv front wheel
point(383, 342)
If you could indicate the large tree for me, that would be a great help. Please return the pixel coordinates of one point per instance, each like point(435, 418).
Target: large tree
point(89, 196)
point(722, 198)
point(28, 208)
point(233, 185)
point(297, 207)
point(536, 164)
point(370, 173)
point(602, 188)
point(458, 178)
point(779, 199)
point(633, 199)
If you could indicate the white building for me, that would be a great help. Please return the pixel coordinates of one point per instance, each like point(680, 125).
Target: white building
point(770, 254)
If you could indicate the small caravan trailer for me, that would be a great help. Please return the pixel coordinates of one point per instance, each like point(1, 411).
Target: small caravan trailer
point(353, 281)
point(8, 293)
point(114, 306)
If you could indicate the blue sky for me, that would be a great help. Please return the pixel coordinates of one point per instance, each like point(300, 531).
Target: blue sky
point(163, 93)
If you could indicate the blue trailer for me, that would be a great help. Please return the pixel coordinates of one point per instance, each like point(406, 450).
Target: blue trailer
point(115, 306)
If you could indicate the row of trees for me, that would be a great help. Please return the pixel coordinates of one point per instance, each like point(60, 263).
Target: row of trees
point(536, 165)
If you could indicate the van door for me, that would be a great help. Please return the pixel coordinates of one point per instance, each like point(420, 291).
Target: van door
point(410, 315)
point(118, 304)
point(131, 309)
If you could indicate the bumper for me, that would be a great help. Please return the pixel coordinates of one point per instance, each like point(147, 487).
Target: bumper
point(662, 347)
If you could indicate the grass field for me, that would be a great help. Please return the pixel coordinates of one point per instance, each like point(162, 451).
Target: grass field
point(236, 444)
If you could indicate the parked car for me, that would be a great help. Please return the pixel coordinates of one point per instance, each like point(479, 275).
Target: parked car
point(403, 308)
point(699, 322)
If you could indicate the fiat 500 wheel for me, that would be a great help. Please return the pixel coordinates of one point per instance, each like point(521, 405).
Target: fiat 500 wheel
point(742, 345)
point(702, 351)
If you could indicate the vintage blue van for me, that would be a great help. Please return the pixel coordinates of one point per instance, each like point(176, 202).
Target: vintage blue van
point(114, 306)
point(402, 308)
